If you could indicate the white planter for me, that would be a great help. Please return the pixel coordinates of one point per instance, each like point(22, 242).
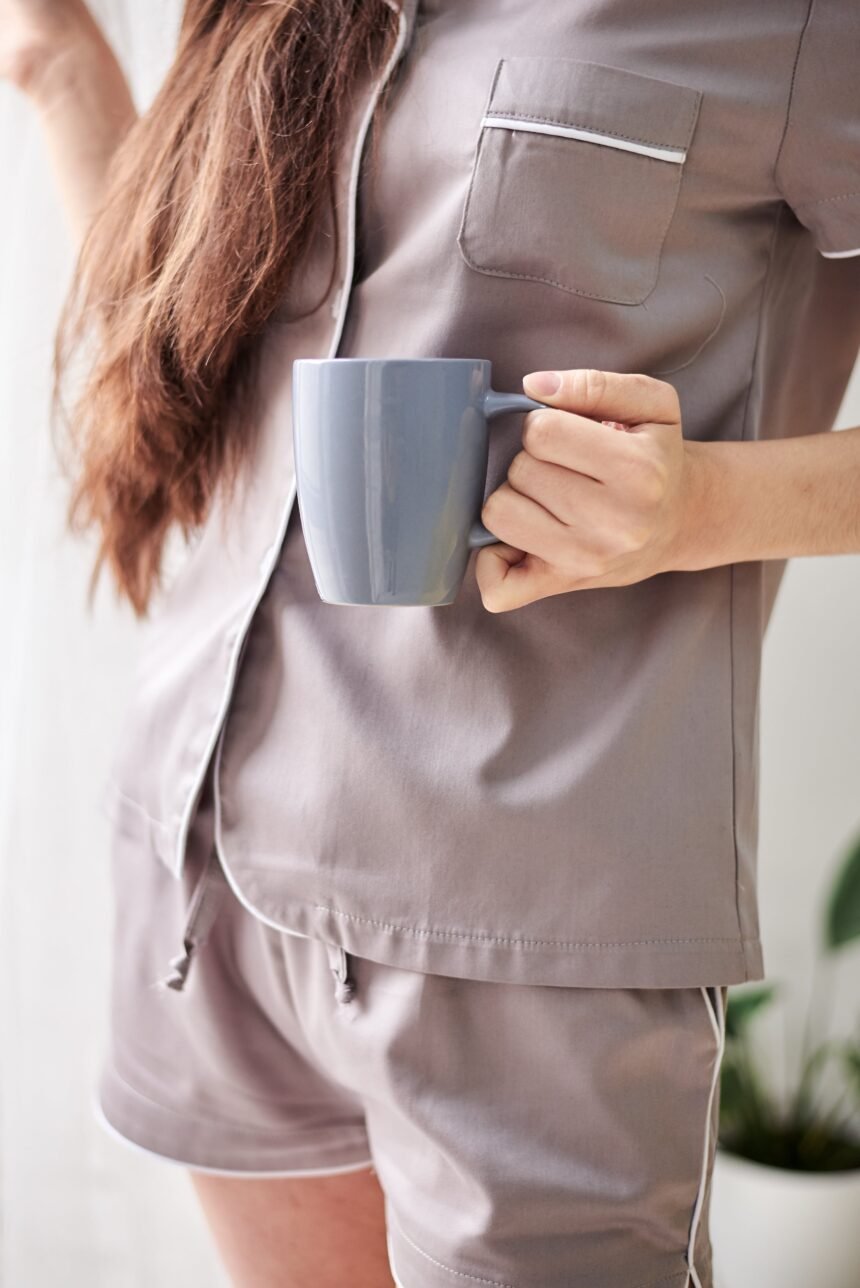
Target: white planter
point(772, 1228)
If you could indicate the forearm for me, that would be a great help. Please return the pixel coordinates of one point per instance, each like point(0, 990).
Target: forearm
point(772, 499)
point(85, 109)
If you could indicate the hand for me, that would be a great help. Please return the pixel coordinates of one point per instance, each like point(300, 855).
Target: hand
point(34, 36)
point(598, 497)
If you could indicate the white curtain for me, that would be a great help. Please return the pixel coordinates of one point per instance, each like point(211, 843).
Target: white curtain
point(77, 1207)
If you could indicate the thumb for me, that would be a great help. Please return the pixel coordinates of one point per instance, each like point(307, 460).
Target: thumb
point(606, 395)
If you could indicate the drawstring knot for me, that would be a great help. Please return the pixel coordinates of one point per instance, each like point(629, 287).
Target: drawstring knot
point(179, 968)
point(202, 911)
point(344, 985)
point(344, 990)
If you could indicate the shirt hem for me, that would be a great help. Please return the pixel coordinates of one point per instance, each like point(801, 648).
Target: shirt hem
point(645, 963)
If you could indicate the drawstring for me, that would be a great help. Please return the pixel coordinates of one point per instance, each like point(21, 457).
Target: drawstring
point(202, 911)
point(344, 985)
point(206, 900)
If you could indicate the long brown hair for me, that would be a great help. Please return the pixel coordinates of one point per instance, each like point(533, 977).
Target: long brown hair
point(211, 202)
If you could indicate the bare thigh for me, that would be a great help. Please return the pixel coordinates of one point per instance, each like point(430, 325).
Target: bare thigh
point(288, 1233)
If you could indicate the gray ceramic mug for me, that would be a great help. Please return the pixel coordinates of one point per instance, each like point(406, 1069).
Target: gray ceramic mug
point(391, 467)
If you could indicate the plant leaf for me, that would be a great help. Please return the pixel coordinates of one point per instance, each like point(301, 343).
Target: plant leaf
point(743, 1005)
point(733, 1100)
point(851, 1057)
point(842, 916)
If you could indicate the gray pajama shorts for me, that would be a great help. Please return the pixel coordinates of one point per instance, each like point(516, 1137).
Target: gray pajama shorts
point(525, 1136)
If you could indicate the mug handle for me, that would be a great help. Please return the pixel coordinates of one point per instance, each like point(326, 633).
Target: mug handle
point(495, 403)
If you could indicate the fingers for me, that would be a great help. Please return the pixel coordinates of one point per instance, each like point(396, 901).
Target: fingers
point(508, 580)
point(564, 492)
point(520, 521)
point(606, 395)
point(567, 439)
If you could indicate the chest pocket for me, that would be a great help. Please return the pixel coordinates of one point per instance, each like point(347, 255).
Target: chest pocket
point(576, 176)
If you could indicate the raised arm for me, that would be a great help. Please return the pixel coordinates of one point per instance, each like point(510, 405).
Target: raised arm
point(57, 55)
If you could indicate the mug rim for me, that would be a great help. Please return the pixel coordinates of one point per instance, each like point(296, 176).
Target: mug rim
point(368, 361)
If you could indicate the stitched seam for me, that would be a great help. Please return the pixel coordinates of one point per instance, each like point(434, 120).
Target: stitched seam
point(823, 201)
point(482, 133)
point(716, 1026)
point(790, 102)
point(576, 134)
point(533, 277)
point(377, 87)
point(670, 371)
point(538, 943)
point(733, 567)
point(654, 264)
point(250, 869)
point(499, 1283)
point(459, 1274)
point(578, 125)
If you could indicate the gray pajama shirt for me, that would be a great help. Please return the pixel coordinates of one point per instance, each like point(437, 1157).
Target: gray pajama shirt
point(448, 809)
point(566, 793)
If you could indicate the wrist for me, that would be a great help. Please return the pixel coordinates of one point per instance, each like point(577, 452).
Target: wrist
point(52, 70)
point(698, 539)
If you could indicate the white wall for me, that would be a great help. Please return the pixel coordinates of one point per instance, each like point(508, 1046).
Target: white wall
point(77, 1207)
point(810, 748)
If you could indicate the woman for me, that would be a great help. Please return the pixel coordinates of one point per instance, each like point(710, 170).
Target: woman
point(473, 880)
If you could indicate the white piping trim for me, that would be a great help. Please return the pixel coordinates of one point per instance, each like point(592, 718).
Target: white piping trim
point(676, 155)
point(718, 1024)
point(398, 1282)
point(227, 693)
point(107, 1126)
point(840, 254)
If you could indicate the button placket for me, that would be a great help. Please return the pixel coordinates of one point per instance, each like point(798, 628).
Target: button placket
point(186, 801)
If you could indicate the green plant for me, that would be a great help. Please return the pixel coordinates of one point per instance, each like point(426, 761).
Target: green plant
point(802, 1133)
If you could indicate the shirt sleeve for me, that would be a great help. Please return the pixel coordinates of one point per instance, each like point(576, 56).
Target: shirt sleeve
point(818, 168)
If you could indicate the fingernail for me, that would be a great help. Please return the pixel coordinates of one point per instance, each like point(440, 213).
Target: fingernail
point(542, 383)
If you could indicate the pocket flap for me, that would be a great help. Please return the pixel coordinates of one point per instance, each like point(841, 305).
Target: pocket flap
point(617, 107)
